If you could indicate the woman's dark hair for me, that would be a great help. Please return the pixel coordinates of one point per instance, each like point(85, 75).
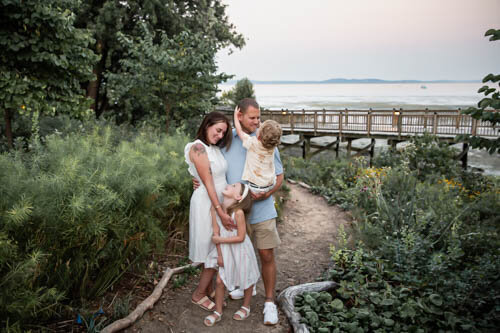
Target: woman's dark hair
point(211, 119)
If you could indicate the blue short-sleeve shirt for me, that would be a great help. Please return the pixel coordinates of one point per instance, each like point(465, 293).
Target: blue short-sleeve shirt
point(262, 210)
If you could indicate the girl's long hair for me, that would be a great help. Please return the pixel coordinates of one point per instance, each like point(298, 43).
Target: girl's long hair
point(245, 205)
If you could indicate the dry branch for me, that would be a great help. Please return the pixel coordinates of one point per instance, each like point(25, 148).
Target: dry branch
point(148, 303)
point(286, 300)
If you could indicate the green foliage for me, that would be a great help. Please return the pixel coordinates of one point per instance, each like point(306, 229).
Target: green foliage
point(123, 29)
point(44, 59)
point(174, 78)
point(79, 211)
point(487, 108)
point(427, 257)
point(242, 89)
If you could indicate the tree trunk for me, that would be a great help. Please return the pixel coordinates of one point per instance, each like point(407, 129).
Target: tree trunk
point(286, 300)
point(93, 86)
point(168, 108)
point(8, 128)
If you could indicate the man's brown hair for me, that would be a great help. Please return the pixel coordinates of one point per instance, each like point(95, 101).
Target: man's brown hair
point(245, 103)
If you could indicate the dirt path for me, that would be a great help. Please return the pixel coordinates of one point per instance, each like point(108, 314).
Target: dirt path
point(308, 228)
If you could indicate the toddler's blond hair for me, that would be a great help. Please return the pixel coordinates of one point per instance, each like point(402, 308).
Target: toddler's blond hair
point(270, 134)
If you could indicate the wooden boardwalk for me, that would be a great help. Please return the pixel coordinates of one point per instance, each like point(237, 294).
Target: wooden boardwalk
point(380, 124)
point(393, 125)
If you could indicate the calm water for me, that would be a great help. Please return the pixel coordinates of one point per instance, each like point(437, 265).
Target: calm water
point(377, 96)
point(365, 96)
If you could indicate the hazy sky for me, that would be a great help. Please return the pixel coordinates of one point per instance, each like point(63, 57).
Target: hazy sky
point(385, 39)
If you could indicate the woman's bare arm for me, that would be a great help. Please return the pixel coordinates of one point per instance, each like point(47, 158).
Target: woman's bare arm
point(199, 157)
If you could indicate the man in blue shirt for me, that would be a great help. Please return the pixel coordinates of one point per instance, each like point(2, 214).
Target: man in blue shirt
point(262, 221)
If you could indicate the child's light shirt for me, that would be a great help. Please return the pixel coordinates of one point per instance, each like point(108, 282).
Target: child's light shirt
point(259, 164)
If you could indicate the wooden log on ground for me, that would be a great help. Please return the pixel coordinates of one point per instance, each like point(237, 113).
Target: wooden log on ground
point(148, 303)
point(286, 300)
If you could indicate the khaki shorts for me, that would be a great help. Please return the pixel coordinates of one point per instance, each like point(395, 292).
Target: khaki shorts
point(264, 234)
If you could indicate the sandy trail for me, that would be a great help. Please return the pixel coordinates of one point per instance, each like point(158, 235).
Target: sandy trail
point(308, 228)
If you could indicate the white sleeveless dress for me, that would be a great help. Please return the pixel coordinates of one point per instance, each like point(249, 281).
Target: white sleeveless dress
point(200, 221)
point(240, 263)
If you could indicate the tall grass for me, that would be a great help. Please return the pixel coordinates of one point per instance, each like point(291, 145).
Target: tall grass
point(80, 210)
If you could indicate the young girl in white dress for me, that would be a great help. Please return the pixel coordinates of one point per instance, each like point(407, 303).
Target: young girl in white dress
point(234, 255)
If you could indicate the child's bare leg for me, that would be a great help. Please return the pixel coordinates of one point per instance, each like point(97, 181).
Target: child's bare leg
point(219, 294)
point(244, 310)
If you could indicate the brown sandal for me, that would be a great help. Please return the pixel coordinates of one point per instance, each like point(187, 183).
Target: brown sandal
point(202, 301)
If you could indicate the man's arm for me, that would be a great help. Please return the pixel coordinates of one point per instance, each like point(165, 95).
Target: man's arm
point(280, 175)
point(265, 195)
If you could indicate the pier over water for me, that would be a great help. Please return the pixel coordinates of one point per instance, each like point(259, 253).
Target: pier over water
point(393, 125)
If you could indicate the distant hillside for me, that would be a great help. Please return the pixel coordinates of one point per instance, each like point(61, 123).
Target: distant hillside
point(340, 80)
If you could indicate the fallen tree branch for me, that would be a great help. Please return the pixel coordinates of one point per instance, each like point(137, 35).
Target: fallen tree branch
point(286, 300)
point(148, 303)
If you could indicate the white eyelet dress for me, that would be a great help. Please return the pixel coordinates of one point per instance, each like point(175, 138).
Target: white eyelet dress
point(200, 221)
point(240, 263)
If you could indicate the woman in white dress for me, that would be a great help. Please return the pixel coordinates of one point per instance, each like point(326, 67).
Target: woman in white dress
point(208, 166)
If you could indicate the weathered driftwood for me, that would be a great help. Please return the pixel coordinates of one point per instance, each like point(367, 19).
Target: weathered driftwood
point(286, 300)
point(148, 303)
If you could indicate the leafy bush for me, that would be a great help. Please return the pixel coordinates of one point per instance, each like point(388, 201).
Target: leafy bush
point(428, 250)
point(79, 211)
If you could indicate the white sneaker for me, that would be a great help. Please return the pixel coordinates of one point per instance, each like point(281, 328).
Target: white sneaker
point(240, 293)
point(270, 313)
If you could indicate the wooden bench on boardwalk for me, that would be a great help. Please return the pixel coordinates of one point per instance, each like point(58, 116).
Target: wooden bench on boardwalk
point(393, 125)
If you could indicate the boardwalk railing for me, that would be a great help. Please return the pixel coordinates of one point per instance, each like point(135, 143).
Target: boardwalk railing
point(380, 123)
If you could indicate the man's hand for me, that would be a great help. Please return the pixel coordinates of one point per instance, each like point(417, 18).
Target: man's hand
point(260, 196)
point(227, 221)
point(196, 183)
point(236, 110)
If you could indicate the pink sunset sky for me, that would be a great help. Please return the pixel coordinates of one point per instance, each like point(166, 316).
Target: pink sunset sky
point(385, 39)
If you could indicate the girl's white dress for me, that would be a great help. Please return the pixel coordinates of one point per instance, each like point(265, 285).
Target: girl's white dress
point(200, 222)
point(240, 263)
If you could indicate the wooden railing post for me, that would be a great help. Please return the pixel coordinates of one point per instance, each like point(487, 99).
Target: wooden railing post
point(474, 127)
point(425, 119)
point(341, 115)
point(324, 118)
point(369, 122)
point(459, 117)
point(291, 120)
point(346, 117)
point(435, 123)
point(400, 121)
point(315, 122)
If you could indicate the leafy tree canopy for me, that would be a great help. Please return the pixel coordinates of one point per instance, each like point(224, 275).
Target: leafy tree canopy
point(242, 89)
point(44, 58)
point(121, 28)
point(173, 79)
point(486, 107)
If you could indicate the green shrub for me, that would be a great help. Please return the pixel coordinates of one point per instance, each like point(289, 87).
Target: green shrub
point(428, 252)
point(79, 211)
